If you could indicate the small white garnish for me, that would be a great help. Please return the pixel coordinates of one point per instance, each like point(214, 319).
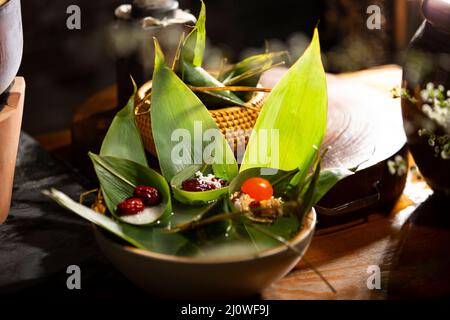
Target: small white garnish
point(210, 179)
point(149, 215)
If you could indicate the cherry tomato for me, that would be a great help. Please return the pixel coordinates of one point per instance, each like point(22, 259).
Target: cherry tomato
point(258, 188)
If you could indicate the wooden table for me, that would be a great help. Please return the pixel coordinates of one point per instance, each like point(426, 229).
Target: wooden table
point(409, 245)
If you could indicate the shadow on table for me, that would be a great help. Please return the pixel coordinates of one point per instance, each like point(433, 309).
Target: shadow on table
point(38, 252)
point(40, 239)
point(420, 267)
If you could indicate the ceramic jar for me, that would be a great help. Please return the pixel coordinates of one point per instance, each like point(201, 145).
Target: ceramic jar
point(426, 95)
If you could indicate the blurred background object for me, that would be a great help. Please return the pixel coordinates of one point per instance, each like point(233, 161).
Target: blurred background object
point(131, 39)
point(12, 92)
point(64, 67)
point(426, 79)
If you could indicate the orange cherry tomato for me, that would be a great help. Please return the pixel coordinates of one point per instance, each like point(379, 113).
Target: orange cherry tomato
point(258, 188)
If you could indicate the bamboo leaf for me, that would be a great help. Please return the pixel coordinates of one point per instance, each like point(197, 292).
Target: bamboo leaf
point(248, 72)
point(123, 139)
point(191, 67)
point(118, 178)
point(269, 236)
point(328, 178)
point(183, 214)
point(297, 110)
point(195, 43)
point(307, 192)
point(278, 178)
point(152, 239)
point(199, 77)
point(180, 122)
point(195, 198)
point(284, 227)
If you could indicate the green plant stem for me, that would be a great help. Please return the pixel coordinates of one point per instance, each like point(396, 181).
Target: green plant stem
point(252, 73)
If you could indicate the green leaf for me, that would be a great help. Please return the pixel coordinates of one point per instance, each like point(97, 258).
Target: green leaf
point(296, 109)
point(284, 227)
point(199, 77)
point(266, 236)
point(118, 179)
point(152, 239)
point(308, 190)
point(188, 197)
point(123, 139)
point(195, 43)
point(183, 214)
point(248, 72)
point(279, 179)
point(177, 113)
point(327, 180)
point(192, 72)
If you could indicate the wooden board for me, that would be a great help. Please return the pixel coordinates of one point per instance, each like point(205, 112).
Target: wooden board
point(364, 122)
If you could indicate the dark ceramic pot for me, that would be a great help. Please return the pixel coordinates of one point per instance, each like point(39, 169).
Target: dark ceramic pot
point(11, 42)
point(427, 72)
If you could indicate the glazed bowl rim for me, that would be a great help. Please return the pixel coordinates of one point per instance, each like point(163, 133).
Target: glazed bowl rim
point(302, 235)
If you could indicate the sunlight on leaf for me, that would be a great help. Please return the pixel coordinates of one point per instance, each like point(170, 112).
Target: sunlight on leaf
point(176, 109)
point(297, 109)
point(118, 178)
point(123, 139)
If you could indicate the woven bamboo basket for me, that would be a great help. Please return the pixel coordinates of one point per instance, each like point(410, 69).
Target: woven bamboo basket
point(235, 123)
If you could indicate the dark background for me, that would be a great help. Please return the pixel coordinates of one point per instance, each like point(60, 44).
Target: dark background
point(63, 68)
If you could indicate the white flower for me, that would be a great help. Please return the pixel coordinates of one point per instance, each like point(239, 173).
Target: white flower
point(398, 166)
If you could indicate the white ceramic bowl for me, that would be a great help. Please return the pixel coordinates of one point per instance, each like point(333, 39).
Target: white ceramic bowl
point(211, 278)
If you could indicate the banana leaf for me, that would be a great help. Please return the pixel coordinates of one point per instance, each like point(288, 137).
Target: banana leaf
point(194, 198)
point(123, 139)
point(118, 178)
point(192, 72)
point(177, 110)
point(152, 239)
point(296, 111)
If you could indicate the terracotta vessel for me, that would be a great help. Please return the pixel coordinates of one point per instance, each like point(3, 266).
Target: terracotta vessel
point(11, 97)
point(10, 123)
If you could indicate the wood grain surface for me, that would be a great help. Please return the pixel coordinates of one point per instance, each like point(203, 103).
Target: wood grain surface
point(343, 255)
